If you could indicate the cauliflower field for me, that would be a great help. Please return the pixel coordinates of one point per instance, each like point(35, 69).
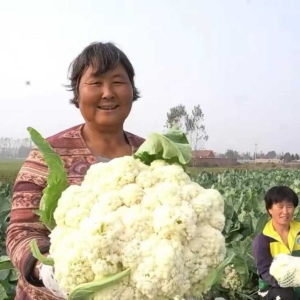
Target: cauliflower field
point(244, 211)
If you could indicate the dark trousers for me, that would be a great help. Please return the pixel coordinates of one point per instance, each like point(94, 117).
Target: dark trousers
point(279, 293)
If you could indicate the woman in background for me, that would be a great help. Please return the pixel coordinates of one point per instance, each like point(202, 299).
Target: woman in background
point(280, 235)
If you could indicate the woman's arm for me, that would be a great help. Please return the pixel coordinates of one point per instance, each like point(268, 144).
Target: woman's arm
point(263, 259)
point(24, 224)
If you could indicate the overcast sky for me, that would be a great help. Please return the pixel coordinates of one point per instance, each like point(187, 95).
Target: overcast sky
point(238, 59)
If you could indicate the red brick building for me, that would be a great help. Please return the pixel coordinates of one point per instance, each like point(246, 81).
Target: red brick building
point(207, 158)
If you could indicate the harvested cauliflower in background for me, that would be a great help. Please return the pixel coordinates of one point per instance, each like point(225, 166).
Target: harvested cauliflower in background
point(286, 270)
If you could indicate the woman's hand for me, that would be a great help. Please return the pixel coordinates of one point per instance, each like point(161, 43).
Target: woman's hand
point(36, 269)
point(47, 274)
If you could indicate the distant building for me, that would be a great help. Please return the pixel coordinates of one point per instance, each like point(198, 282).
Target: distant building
point(203, 154)
point(207, 158)
point(268, 160)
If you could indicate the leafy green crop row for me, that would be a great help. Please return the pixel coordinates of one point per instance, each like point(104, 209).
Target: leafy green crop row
point(245, 217)
point(9, 170)
point(8, 275)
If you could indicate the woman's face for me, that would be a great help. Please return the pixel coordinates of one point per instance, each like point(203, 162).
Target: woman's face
point(105, 100)
point(282, 212)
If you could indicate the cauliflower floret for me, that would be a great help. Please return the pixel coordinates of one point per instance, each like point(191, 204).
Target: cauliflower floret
point(203, 207)
point(162, 269)
point(68, 200)
point(191, 191)
point(132, 194)
point(232, 279)
point(122, 171)
point(173, 221)
point(160, 194)
point(121, 291)
point(157, 164)
point(213, 249)
point(217, 220)
point(217, 199)
point(172, 174)
point(107, 203)
point(146, 179)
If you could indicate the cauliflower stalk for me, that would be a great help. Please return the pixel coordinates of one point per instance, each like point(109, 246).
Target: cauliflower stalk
point(138, 227)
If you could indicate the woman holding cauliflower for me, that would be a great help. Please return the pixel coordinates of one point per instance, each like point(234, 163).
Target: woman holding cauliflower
point(121, 219)
point(102, 81)
point(280, 238)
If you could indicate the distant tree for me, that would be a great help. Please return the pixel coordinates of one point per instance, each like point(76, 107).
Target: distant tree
point(271, 154)
point(246, 156)
point(232, 154)
point(261, 155)
point(5, 148)
point(292, 157)
point(296, 156)
point(14, 148)
point(191, 124)
point(287, 157)
point(23, 151)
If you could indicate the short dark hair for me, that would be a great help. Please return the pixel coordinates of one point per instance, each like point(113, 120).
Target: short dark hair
point(103, 57)
point(280, 193)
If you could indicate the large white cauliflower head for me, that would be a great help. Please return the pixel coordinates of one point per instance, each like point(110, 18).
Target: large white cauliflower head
point(151, 219)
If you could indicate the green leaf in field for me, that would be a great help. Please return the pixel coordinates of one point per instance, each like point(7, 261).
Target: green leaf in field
point(172, 147)
point(88, 290)
point(38, 255)
point(4, 208)
point(5, 263)
point(3, 294)
point(228, 211)
point(243, 247)
point(4, 274)
point(261, 223)
point(215, 275)
point(4, 258)
point(241, 266)
point(13, 276)
point(56, 181)
point(233, 237)
point(247, 227)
